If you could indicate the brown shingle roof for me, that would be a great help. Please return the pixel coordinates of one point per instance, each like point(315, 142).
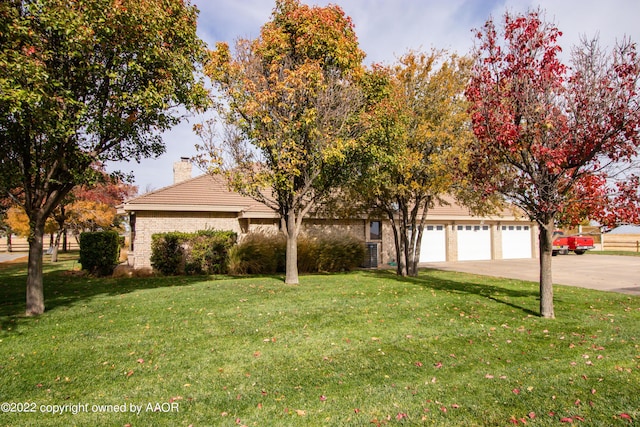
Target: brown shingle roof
point(204, 193)
point(207, 193)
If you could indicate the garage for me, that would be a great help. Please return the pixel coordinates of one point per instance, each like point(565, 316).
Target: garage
point(474, 242)
point(516, 241)
point(433, 247)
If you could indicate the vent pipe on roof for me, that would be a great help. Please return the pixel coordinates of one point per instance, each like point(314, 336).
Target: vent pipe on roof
point(181, 170)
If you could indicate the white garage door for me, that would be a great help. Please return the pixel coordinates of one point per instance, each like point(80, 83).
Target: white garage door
point(474, 242)
point(516, 241)
point(433, 247)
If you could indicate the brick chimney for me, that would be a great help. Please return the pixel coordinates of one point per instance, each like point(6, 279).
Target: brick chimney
point(181, 170)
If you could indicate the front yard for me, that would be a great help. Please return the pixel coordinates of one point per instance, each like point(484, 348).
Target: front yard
point(364, 348)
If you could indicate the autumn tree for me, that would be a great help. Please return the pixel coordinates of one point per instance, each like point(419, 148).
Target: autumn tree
point(417, 131)
point(90, 207)
point(287, 99)
point(85, 208)
point(551, 138)
point(86, 81)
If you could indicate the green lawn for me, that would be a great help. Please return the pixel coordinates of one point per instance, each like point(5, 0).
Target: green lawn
point(358, 349)
point(618, 253)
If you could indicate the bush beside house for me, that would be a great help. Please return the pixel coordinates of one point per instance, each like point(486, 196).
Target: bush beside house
point(264, 253)
point(216, 252)
point(100, 252)
point(202, 252)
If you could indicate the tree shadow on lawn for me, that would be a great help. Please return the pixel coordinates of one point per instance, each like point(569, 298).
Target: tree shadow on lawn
point(64, 288)
point(467, 286)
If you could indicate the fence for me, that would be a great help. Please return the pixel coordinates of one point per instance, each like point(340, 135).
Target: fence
point(20, 244)
point(621, 242)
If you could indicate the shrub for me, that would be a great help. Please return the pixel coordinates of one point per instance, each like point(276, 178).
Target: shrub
point(340, 252)
point(207, 252)
point(260, 253)
point(203, 252)
point(167, 254)
point(99, 252)
point(329, 251)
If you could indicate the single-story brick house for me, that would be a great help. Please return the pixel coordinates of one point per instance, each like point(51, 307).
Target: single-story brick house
point(452, 233)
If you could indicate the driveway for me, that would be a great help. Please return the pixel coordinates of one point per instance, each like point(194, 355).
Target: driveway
point(11, 256)
point(602, 272)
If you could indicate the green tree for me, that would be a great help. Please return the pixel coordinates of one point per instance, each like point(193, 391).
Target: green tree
point(288, 98)
point(82, 82)
point(415, 142)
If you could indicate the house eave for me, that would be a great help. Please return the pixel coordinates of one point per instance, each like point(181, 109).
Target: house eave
point(242, 211)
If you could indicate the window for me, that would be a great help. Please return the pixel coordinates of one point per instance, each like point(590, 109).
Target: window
point(375, 230)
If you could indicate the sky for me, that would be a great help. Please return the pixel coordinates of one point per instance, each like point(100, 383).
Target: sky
point(386, 29)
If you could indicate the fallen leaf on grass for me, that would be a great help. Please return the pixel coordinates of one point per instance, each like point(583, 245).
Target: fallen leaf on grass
point(626, 416)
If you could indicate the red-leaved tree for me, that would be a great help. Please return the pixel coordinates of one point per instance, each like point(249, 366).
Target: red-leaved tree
point(555, 139)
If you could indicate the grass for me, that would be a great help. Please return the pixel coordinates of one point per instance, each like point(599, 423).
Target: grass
point(619, 253)
point(359, 349)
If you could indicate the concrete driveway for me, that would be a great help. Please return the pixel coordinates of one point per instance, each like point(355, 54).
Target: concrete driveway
point(602, 272)
point(10, 256)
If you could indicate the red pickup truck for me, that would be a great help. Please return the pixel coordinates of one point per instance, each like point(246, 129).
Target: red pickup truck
point(564, 244)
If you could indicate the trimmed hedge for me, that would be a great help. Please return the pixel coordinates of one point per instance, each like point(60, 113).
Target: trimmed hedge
point(331, 251)
point(202, 252)
point(100, 252)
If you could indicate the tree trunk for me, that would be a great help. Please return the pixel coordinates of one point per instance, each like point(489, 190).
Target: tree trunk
point(35, 288)
point(399, 243)
point(54, 249)
point(546, 277)
point(416, 241)
point(291, 264)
